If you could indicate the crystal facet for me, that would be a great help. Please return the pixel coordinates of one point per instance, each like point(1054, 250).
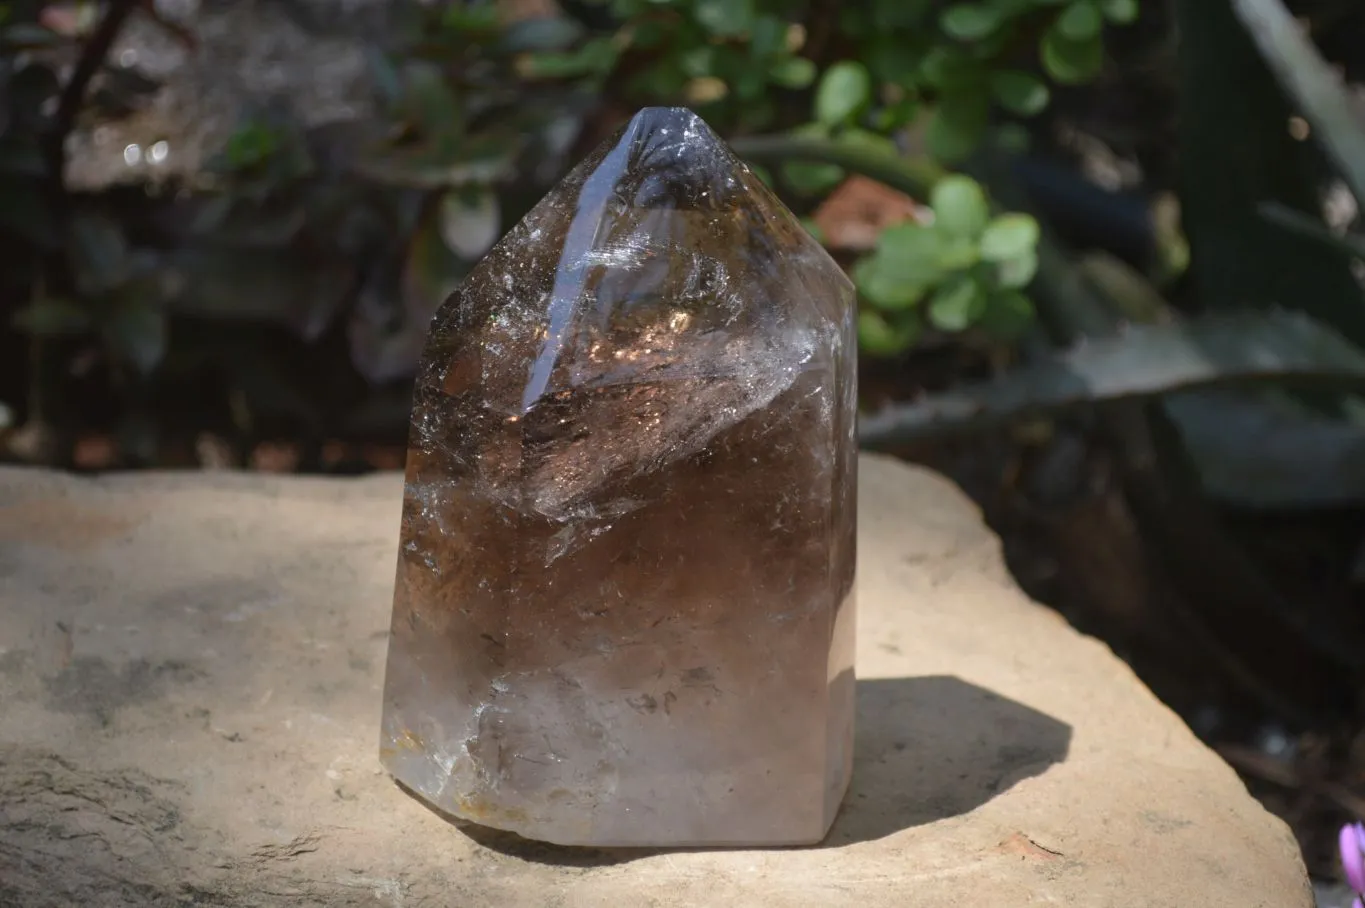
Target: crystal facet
point(624, 610)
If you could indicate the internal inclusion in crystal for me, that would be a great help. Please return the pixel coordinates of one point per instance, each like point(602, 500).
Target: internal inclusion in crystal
point(624, 610)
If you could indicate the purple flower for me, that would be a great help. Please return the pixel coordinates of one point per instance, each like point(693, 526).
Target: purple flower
point(1352, 843)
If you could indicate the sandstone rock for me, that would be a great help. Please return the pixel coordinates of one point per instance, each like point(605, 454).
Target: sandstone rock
point(190, 671)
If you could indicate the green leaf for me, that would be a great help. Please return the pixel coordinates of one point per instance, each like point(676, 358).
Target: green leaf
point(900, 15)
point(892, 61)
point(1080, 21)
point(1120, 12)
point(1009, 236)
point(1018, 272)
point(957, 304)
point(878, 336)
point(960, 207)
point(893, 116)
point(768, 37)
point(844, 90)
point(957, 125)
point(726, 18)
point(883, 287)
point(970, 21)
point(470, 17)
point(252, 144)
point(53, 317)
point(946, 67)
point(911, 254)
point(792, 72)
point(959, 254)
point(1019, 92)
point(1068, 61)
point(1008, 315)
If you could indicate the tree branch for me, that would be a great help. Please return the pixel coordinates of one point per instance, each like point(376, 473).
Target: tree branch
point(73, 93)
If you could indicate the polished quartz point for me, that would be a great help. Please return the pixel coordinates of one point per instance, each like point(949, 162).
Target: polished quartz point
point(624, 611)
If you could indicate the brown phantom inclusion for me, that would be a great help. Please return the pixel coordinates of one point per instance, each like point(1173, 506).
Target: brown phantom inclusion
point(624, 611)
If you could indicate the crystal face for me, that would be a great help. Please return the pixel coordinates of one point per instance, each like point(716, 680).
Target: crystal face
point(624, 611)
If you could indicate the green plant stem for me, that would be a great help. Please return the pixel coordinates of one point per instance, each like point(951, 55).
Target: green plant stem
point(914, 176)
point(1307, 78)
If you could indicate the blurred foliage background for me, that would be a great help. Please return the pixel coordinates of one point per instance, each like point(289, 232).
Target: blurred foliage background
point(1107, 256)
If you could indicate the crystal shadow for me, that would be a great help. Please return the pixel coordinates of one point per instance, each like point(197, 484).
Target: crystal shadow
point(928, 748)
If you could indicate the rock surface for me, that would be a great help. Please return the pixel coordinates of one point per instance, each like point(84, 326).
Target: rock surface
point(189, 700)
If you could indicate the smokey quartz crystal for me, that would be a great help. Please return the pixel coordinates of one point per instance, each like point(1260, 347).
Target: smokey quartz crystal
point(624, 611)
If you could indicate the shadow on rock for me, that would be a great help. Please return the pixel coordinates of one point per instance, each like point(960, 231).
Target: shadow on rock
point(937, 747)
point(927, 749)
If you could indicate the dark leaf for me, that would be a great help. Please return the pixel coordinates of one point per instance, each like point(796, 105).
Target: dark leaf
point(135, 332)
point(1071, 61)
point(1081, 21)
point(726, 18)
point(970, 21)
point(1246, 347)
point(24, 212)
point(1019, 92)
point(958, 125)
point(541, 33)
point(1008, 314)
point(53, 317)
point(260, 286)
point(99, 252)
point(28, 36)
point(21, 158)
